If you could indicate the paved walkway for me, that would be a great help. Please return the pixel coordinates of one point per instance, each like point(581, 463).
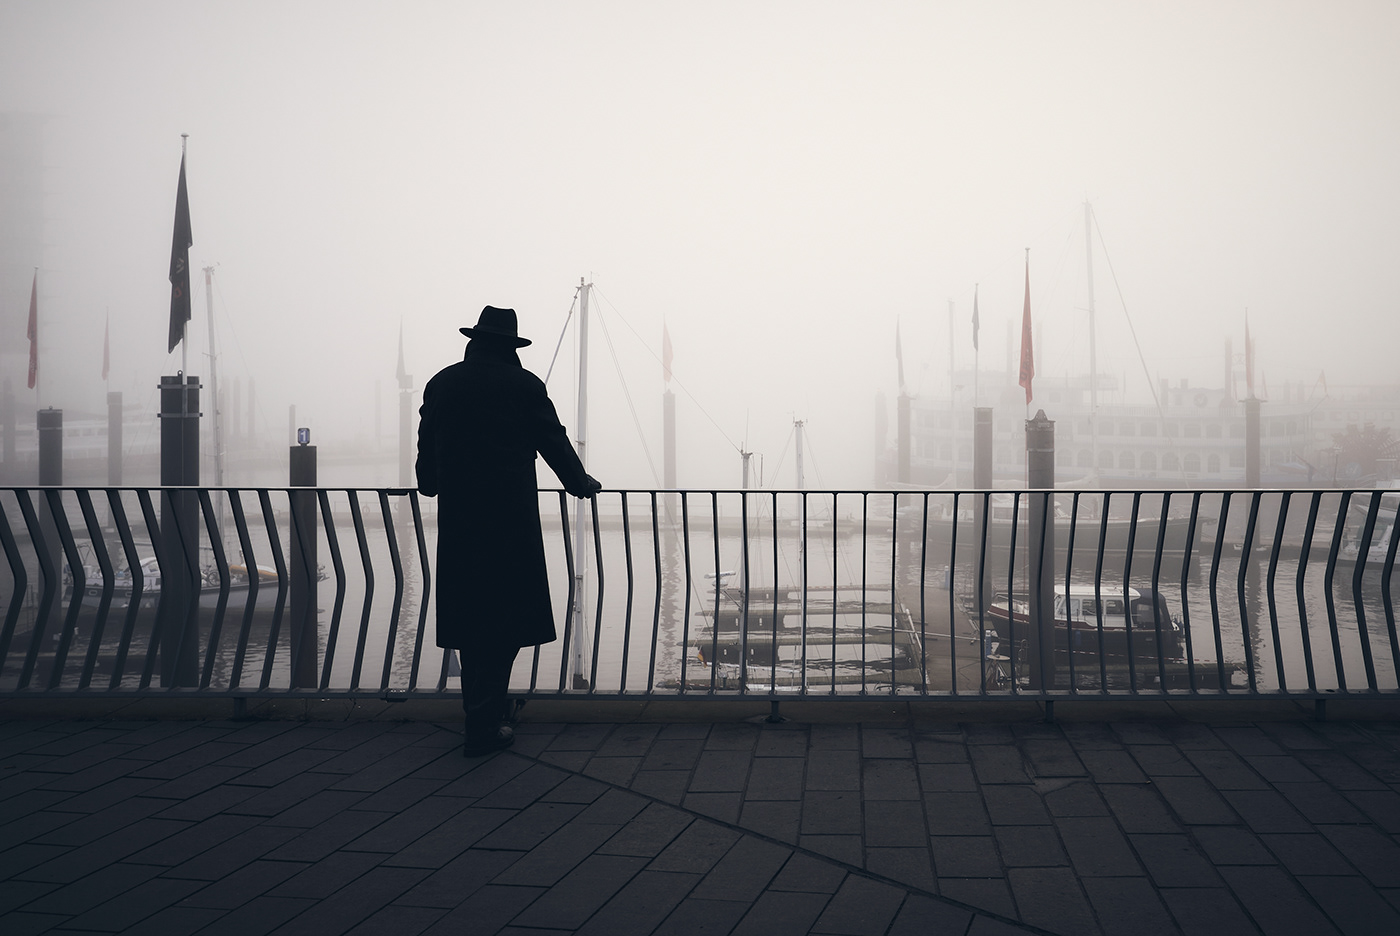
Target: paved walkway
point(912, 820)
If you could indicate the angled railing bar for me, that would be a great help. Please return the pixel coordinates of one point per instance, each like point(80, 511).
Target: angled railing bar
point(250, 563)
point(1304, 633)
point(1246, 559)
point(1269, 590)
point(1363, 549)
point(392, 540)
point(104, 601)
point(338, 564)
point(216, 543)
point(275, 544)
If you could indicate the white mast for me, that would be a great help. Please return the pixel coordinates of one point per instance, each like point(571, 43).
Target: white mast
point(580, 621)
point(218, 422)
point(1093, 341)
point(797, 425)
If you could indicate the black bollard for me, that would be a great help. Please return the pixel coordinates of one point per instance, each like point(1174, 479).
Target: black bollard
point(114, 438)
point(1040, 476)
point(177, 615)
point(304, 634)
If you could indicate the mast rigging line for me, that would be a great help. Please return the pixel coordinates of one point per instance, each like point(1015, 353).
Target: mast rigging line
point(684, 389)
point(1131, 330)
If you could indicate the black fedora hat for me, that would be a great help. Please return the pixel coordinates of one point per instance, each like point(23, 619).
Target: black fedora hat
point(496, 324)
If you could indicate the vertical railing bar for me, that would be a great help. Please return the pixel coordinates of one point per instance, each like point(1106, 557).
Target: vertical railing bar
point(1271, 580)
point(1246, 557)
point(835, 592)
point(1386, 569)
point(1214, 597)
point(631, 588)
point(572, 596)
point(982, 588)
point(656, 606)
point(802, 532)
point(1069, 617)
point(392, 541)
point(283, 584)
point(216, 545)
point(1011, 592)
point(1185, 605)
point(337, 563)
point(104, 603)
point(51, 587)
point(422, 543)
point(21, 584)
point(362, 541)
point(894, 580)
point(923, 589)
point(1363, 549)
point(1338, 533)
point(864, 581)
point(1098, 592)
point(254, 575)
point(806, 595)
point(688, 585)
point(1303, 629)
point(952, 599)
point(1128, 590)
point(741, 618)
point(745, 579)
point(75, 569)
point(602, 587)
point(153, 533)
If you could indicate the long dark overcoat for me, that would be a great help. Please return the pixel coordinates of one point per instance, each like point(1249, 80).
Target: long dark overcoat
point(482, 421)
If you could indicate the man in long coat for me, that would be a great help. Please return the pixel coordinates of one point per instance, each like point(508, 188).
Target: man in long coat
point(482, 421)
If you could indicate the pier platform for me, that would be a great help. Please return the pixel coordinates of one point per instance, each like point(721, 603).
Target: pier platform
point(869, 817)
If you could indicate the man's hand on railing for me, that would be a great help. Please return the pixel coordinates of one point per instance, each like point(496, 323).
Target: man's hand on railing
point(590, 487)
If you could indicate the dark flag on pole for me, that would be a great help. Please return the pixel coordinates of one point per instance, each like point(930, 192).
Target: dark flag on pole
point(180, 264)
point(34, 331)
point(1027, 351)
point(976, 319)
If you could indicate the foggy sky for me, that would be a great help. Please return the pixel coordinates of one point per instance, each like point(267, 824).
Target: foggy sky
point(778, 182)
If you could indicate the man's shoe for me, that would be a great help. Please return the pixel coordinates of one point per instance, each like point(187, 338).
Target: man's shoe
point(480, 745)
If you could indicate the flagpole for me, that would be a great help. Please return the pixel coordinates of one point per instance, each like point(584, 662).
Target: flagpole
point(185, 326)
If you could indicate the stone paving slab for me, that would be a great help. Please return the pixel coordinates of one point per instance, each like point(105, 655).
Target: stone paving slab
point(1232, 820)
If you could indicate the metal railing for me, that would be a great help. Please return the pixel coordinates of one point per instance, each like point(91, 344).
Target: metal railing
point(714, 594)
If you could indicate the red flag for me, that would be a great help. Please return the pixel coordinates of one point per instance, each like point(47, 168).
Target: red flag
point(665, 353)
point(34, 331)
point(1027, 351)
point(106, 348)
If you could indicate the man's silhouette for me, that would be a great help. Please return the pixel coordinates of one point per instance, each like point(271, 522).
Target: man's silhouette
point(482, 422)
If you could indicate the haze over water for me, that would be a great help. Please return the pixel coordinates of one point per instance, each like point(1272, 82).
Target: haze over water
point(778, 183)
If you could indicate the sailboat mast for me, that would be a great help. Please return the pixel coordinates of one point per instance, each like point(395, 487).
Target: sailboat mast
point(580, 623)
point(797, 425)
point(1093, 337)
point(218, 422)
